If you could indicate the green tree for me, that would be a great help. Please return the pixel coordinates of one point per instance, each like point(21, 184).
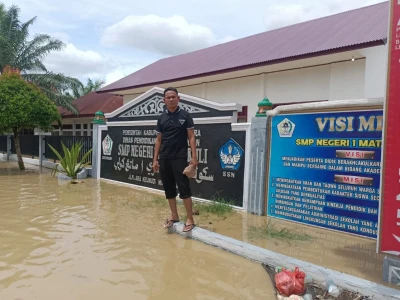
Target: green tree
point(23, 105)
point(91, 86)
point(27, 55)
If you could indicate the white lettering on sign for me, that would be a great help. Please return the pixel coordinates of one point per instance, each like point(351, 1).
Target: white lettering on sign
point(203, 175)
point(228, 174)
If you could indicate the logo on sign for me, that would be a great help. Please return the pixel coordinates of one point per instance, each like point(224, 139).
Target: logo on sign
point(286, 128)
point(230, 155)
point(107, 145)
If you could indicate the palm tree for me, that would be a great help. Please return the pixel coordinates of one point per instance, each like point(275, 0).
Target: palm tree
point(17, 51)
point(80, 91)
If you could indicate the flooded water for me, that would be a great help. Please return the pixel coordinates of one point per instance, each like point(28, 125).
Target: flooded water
point(99, 241)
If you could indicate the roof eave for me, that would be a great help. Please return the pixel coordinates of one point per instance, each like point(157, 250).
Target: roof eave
point(245, 67)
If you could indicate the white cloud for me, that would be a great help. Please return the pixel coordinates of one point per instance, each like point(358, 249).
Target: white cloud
point(78, 63)
point(84, 64)
point(168, 36)
point(227, 39)
point(120, 72)
point(291, 12)
point(64, 37)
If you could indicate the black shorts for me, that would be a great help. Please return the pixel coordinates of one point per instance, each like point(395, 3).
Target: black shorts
point(171, 171)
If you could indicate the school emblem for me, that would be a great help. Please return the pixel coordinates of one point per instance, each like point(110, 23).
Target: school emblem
point(230, 155)
point(107, 145)
point(286, 128)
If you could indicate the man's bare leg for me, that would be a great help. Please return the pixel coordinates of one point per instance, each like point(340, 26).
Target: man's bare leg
point(174, 212)
point(189, 212)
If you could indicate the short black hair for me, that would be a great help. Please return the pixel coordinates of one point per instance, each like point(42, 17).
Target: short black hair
point(171, 89)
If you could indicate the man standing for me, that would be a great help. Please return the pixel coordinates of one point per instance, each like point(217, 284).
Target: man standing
point(174, 128)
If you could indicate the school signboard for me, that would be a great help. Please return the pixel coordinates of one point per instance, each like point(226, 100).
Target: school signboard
point(127, 147)
point(325, 170)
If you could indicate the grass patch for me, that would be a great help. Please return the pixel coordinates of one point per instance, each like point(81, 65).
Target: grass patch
point(159, 201)
point(141, 201)
point(270, 230)
point(219, 207)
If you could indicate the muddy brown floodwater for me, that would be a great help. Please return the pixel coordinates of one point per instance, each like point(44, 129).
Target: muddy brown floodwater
point(99, 241)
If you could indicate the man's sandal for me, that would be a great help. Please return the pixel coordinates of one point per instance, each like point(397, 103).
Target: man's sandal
point(188, 227)
point(168, 223)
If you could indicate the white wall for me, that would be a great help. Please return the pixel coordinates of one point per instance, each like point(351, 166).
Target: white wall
point(128, 98)
point(343, 80)
point(198, 90)
point(347, 80)
point(245, 91)
point(375, 71)
point(307, 84)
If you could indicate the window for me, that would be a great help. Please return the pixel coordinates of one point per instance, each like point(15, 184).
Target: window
point(242, 116)
point(78, 126)
point(26, 131)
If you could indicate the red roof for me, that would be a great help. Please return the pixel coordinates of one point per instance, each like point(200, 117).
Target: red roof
point(89, 104)
point(359, 28)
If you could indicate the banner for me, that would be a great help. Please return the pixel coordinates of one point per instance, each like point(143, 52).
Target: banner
point(389, 237)
point(325, 170)
point(127, 156)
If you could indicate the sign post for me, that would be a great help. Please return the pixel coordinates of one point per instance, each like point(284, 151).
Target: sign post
point(389, 221)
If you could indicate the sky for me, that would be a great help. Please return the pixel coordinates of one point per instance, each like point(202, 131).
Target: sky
point(110, 39)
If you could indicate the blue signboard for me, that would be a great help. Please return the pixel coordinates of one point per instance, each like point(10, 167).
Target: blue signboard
point(325, 170)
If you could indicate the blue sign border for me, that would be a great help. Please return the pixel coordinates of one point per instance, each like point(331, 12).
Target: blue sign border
point(355, 212)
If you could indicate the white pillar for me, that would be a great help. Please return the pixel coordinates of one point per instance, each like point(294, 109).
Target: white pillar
point(96, 153)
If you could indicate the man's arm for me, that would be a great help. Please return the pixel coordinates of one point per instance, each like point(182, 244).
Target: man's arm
point(192, 143)
point(157, 146)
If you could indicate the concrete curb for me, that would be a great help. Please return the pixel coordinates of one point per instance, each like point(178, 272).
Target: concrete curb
point(261, 255)
point(29, 161)
point(46, 164)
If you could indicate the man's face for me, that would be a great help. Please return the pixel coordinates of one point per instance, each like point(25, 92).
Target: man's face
point(171, 99)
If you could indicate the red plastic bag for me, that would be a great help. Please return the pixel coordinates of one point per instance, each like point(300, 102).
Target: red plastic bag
point(299, 288)
point(290, 283)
